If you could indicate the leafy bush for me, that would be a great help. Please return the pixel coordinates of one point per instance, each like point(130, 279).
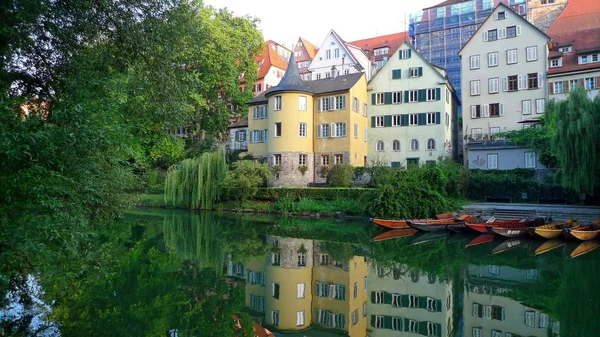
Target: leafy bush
point(346, 206)
point(510, 184)
point(296, 193)
point(245, 178)
point(340, 176)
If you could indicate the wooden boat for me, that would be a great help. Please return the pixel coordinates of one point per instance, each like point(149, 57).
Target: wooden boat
point(444, 218)
point(427, 237)
point(392, 224)
point(484, 238)
point(512, 231)
point(583, 233)
point(482, 227)
point(459, 228)
point(552, 231)
point(549, 245)
point(394, 234)
point(584, 248)
point(509, 244)
point(438, 226)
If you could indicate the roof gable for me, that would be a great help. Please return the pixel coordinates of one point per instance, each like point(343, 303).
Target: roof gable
point(270, 58)
point(341, 42)
point(578, 15)
point(311, 49)
point(414, 53)
point(513, 14)
point(392, 41)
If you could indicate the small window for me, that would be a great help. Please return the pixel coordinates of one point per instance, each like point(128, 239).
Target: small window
point(512, 83)
point(475, 88)
point(277, 103)
point(530, 160)
point(556, 63)
point(532, 54)
point(493, 59)
point(511, 56)
point(475, 62)
point(396, 97)
point(396, 120)
point(302, 103)
point(277, 159)
point(413, 96)
point(396, 145)
point(432, 118)
point(278, 129)
point(432, 95)
point(413, 119)
point(415, 72)
point(558, 87)
point(379, 121)
point(430, 144)
point(379, 321)
point(494, 110)
point(532, 81)
point(275, 317)
point(302, 130)
point(414, 145)
point(511, 32)
point(325, 159)
point(301, 260)
point(364, 309)
point(501, 15)
point(275, 290)
point(302, 159)
point(589, 83)
point(379, 98)
point(493, 85)
point(492, 35)
point(379, 147)
point(300, 318)
point(365, 109)
point(492, 161)
point(339, 159)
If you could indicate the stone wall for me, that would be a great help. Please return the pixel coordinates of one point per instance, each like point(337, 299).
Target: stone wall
point(289, 170)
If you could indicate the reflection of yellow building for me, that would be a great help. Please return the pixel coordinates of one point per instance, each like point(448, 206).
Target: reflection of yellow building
point(404, 303)
point(298, 284)
point(488, 312)
point(304, 128)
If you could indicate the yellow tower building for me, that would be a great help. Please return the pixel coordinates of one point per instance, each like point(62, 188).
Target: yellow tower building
point(303, 128)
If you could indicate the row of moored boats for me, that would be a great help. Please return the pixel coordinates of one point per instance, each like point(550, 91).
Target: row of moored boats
point(541, 227)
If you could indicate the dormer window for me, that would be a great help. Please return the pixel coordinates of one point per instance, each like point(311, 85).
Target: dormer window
point(565, 50)
point(590, 58)
point(555, 63)
point(547, 2)
point(381, 51)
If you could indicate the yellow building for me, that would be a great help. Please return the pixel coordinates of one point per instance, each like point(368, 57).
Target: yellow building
point(302, 129)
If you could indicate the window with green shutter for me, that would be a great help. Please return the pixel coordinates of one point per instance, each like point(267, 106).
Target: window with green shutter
point(422, 118)
point(387, 121)
point(404, 120)
point(437, 94)
point(373, 99)
point(422, 95)
point(388, 98)
point(437, 118)
point(396, 74)
point(420, 71)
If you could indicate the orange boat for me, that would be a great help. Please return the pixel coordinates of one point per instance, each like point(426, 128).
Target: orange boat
point(584, 248)
point(483, 227)
point(484, 238)
point(552, 231)
point(549, 245)
point(583, 233)
point(397, 224)
point(394, 234)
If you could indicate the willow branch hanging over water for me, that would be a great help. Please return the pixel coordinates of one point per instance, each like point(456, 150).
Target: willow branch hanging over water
point(195, 183)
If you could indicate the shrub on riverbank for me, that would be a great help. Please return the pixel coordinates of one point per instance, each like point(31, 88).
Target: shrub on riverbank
point(314, 193)
point(244, 179)
point(340, 176)
point(346, 206)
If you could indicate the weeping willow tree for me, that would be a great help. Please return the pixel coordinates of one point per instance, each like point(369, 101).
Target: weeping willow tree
point(196, 237)
point(195, 183)
point(577, 140)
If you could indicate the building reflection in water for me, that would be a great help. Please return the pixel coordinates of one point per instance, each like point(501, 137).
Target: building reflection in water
point(299, 285)
point(488, 311)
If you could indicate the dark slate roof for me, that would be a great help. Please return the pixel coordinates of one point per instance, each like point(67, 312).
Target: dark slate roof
point(291, 81)
point(323, 86)
point(339, 83)
point(243, 122)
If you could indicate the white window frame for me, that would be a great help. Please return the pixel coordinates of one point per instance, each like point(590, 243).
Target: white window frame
point(300, 318)
point(475, 88)
point(379, 146)
point(526, 107)
point(540, 106)
point(302, 159)
point(589, 83)
point(428, 146)
point(413, 72)
point(556, 62)
point(379, 322)
point(530, 159)
point(275, 129)
point(494, 161)
point(493, 59)
point(404, 54)
point(530, 319)
point(355, 104)
point(379, 98)
point(302, 130)
point(301, 290)
point(512, 56)
point(275, 317)
point(278, 103)
point(414, 145)
point(413, 119)
point(531, 53)
point(338, 159)
point(396, 120)
point(475, 62)
point(431, 95)
point(355, 131)
point(365, 109)
point(413, 96)
point(493, 85)
point(558, 87)
point(396, 97)
point(379, 121)
point(394, 147)
point(431, 118)
point(302, 103)
point(397, 323)
point(323, 131)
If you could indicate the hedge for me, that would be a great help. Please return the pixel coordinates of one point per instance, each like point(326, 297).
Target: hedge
point(315, 193)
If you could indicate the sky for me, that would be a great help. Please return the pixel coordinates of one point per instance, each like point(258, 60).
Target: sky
point(283, 21)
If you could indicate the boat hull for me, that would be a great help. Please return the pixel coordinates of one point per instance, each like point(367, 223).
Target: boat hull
point(426, 227)
point(484, 238)
point(508, 245)
point(509, 232)
point(394, 234)
point(549, 245)
point(584, 248)
point(391, 224)
point(585, 233)
point(459, 228)
point(551, 231)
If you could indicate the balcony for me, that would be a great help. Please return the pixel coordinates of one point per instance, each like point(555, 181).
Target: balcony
point(487, 139)
point(239, 146)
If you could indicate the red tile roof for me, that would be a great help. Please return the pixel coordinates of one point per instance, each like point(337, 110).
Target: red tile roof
point(270, 58)
point(310, 48)
point(586, 40)
point(578, 15)
point(393, 41)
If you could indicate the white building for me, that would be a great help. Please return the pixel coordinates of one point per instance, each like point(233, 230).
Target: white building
point(413, 111)
point(503, 76)
point(335, 52)
point(238, 135)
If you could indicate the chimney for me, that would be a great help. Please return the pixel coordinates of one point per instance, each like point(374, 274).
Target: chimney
point(333, 72)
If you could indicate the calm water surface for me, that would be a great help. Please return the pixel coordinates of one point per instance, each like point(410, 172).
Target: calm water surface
point(181, 273)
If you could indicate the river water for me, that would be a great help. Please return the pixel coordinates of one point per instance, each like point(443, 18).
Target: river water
point(186, 274)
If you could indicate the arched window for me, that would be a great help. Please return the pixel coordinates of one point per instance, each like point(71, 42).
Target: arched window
point(414, 145)
point(396, 145)
point(396, 273)
point(414, 276)
point(379, 146)
point(430, 144)
point(431, 278)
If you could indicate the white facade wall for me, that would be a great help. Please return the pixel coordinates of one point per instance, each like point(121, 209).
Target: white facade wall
point(568, 77)
point(510, 103)
point(237, 141)
point(441, 133)
point(321, 65)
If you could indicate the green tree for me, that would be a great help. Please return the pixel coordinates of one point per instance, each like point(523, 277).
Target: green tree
point(244, 179)
point(577, 140)
point(340, 175)
point(538, 137)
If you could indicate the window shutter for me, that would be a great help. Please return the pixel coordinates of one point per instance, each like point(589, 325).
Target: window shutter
point(403, 120)
point(495, 16)
point(373, 99)
point(373, 317)
point(332, 130)
point(502, 33)
point(387, 298)
point(420, 71)
point(422, 95)
point(505, 15)
point(438, 94)
point(373, 294)
point(525, 82)
point(540, 80)
point(388, 98)
point(485, 36)
point(566, 86)
point(486, 110)
point(518, 30)
point(406, 93)
point(505, 84)
point(387, 121)
point(438, 118)
point(373, 121)
point(409, 53)
point(597, 82)
point(501, 109)
point(422, 118)
point(520, 82)
point(473, 111)
point(396, 74)
point(550, 88)
point(332, 102)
